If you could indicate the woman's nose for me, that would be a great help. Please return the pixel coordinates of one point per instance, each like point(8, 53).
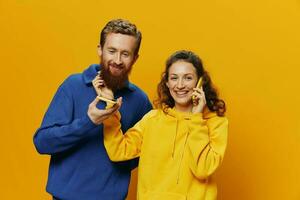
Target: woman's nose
point(180, 84)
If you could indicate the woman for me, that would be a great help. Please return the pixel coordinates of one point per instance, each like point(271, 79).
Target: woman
point(182, 142)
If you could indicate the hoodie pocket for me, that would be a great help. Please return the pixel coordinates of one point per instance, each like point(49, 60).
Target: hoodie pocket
point(162, 196)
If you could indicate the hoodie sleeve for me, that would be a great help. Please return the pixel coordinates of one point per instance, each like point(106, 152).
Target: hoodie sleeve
point(144, 110)
point(206, 144)
point(59, 131)
point(123, 147)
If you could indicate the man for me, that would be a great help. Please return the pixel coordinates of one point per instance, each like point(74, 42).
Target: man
point(72, 130)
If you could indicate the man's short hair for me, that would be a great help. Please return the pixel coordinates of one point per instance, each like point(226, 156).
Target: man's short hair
point(124, 27)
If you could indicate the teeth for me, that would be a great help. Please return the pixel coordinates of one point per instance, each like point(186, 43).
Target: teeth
point(180, 93)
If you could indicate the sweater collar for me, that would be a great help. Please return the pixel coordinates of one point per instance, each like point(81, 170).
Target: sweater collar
point(182, 115)
point(177, 114)
point(91, 72)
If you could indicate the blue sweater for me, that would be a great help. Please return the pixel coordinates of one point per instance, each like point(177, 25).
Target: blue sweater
point(80, 168)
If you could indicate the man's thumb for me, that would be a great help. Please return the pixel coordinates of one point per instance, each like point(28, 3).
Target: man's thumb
point(94, 102)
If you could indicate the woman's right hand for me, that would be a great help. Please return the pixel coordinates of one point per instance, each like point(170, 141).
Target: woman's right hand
point(199, 101)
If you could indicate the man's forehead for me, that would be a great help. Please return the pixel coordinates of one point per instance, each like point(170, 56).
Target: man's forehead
point(120, 41)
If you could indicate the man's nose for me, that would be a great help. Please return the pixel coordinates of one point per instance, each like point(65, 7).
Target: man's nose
point(118, 59)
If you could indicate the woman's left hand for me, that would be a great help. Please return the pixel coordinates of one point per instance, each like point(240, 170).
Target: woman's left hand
point(199, 101)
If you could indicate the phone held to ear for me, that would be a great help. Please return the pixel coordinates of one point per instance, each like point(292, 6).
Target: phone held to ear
point(199, 85)
point(112, 101)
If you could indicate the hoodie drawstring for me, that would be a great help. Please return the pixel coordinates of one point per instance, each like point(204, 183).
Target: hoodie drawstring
point(181, 157)
point(174, 141)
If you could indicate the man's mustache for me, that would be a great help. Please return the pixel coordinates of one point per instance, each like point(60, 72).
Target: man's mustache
point(116, 65)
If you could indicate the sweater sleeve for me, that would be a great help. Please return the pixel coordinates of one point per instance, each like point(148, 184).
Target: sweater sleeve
point(121, 147)
point(206, 144)
point(59, 131)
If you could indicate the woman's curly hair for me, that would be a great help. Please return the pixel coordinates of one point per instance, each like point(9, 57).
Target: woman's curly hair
point(166, 100)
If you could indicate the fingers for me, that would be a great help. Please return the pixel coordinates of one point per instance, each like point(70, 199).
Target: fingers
point(94, 102)
point(198, 89)
point(114, 108)
point(119, 102)
point(98, 80)
point(107, 112)
point(199, 101)
point(99, 85)
point(97, 116)
point(199, 95)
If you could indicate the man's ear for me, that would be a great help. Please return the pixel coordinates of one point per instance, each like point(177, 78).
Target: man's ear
point(135, 58)
point(99, 50)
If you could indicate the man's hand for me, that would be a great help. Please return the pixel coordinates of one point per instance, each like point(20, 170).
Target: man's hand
point(101, 89)
point(97, 116)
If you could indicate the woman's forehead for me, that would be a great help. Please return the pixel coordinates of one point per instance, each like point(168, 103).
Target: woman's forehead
point(182, 67)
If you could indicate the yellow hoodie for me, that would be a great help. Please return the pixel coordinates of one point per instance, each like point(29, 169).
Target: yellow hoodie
point(178, 152)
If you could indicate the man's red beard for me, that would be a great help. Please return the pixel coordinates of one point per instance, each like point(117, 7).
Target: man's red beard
point(114, 82)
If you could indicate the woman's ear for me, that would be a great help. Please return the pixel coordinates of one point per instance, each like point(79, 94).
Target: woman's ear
point(167, 84)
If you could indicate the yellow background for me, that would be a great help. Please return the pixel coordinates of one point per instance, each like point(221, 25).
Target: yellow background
point(250, 48)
